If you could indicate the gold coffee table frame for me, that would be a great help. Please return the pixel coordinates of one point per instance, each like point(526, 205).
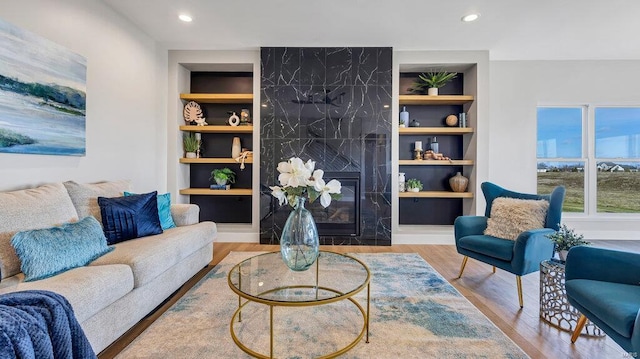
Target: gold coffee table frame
point(262, 299)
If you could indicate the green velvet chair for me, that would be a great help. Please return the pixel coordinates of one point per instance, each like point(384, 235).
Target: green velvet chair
point(604, 285)
point(520, 257)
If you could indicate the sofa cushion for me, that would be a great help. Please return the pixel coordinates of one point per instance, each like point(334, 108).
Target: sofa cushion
point(46, 252)
point(512, 216)
point(89, 289)
point(489, 246)
point(164, 209)
point(34, 208)
point(130, 217)
point(150, 256)
point(616, 304)
point(85, 196)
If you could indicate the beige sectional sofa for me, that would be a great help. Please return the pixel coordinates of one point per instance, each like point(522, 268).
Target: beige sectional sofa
point(117, 290)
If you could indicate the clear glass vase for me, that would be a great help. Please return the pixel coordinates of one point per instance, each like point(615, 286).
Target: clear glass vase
point(299, 243)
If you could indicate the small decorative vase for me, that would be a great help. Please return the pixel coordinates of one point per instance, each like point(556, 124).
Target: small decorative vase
point(563, 255)
point(299, 243)
point(458, 183)
point(236, 149)
point(432, 91)
point(404, 117)
point(401, 182)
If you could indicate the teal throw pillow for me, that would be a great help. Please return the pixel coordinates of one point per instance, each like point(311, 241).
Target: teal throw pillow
point(164, 210)
point(130, 217)
point(46, 252)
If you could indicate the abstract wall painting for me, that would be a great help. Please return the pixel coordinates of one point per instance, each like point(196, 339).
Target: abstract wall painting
point(42, 95)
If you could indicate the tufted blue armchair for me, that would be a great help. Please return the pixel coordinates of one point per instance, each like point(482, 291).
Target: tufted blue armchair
point(520, 257)
point(604, 285)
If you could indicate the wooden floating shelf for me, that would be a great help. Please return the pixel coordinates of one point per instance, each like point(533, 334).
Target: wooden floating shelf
point(433, 130)
point(435, 100)
point(435, 163)
point(217, 129)
point(218, 97)
point(435, 194)
point(214, 160)
point(217, 192)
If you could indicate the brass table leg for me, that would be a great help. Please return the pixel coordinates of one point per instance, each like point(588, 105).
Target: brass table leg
point(368, 306)
point(271, 331)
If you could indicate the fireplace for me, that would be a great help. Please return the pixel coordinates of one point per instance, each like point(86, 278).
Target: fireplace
point(342, 217)
point(331, 106)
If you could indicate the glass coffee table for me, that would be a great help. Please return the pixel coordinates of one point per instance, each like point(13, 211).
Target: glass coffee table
point(265, 279)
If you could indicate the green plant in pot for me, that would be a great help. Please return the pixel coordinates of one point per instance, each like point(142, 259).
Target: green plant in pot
point(414, 185)
point(191, 144)
point(432, 81)
point(222, 176)
point(564, 239)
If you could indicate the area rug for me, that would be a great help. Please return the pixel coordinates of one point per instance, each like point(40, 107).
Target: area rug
point(415, 313)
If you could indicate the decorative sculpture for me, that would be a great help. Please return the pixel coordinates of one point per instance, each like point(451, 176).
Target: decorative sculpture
point(193, 114)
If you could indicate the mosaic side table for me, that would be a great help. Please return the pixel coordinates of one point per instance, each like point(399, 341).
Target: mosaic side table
point(554, 307)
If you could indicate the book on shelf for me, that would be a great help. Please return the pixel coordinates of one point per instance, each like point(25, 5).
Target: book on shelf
point(220, 186)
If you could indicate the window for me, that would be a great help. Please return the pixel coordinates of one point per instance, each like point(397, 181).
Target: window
point(617, 157)
point(560, 154)
point(581, 145)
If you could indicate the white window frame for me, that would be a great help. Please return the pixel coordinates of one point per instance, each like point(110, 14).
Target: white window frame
point(590, 160)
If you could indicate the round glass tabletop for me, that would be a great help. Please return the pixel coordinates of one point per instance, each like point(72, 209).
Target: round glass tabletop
point(265, 278)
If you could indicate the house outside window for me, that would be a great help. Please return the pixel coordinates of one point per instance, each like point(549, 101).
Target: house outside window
point(595, 153)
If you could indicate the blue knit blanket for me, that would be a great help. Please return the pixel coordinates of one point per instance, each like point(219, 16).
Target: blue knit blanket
point(40, 324)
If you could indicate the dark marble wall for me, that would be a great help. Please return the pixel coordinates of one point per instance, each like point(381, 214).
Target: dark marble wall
point(331, 105)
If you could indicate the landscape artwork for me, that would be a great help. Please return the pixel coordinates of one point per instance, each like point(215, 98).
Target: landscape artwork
point(42, 95)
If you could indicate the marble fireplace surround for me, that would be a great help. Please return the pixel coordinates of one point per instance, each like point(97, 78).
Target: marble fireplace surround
point(331, 105)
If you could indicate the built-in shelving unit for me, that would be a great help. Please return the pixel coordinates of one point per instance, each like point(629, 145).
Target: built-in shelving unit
point(434, 100)
point(435, 162)
point(436, 204)
point(215, 160)
point(222, 98)
point(217, 129)
point(434, 130)
point(219, 94)
point(217, 192)
point(435, 194)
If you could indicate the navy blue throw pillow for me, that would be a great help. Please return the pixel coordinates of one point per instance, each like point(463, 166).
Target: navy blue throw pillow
point(129, 217)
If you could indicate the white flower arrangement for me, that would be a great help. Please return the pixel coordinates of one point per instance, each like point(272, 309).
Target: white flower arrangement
point(302, 179)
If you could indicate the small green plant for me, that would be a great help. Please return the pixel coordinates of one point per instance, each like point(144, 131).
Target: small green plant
point(414, 183)
point(432, 79)
point(565, 238)
point(190, 142)
point(223, 175)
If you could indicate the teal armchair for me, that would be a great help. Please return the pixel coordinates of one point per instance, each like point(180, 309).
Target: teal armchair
point(520, 257)
point(604, 285)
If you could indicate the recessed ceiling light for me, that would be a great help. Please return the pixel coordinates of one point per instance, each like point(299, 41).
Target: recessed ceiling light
point(470, 17)
point(185, 18)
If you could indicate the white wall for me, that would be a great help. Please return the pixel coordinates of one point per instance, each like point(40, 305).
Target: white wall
point(518, 87)
point(125, 132)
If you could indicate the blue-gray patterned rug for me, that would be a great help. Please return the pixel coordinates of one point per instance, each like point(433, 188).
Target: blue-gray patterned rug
point(415, 313)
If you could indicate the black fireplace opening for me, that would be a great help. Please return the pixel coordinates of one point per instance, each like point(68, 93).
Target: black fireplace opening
point(342, 217)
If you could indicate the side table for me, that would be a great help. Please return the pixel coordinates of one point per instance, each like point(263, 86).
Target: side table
point(554, 307)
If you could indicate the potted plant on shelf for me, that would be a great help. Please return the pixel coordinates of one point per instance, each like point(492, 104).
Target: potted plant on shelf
point(564, 239)
point(222, 177)
point(191, 145)
point(432, 81)
point(414, 185)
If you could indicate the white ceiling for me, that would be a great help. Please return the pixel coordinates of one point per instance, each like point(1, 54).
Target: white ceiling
point(509, 29)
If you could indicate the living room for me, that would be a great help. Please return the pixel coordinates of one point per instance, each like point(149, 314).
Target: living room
point(140, 56)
